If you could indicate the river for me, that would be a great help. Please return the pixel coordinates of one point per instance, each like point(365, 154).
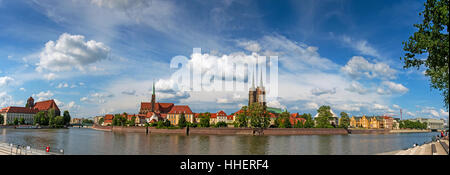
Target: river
point(86, 141)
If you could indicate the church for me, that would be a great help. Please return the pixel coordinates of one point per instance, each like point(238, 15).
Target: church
point(258, 94)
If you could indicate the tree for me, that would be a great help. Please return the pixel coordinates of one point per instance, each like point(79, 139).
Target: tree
point(51, 114)
point(182, 121)
point(323, 119)
point(204, 120)
point(309, 123)
point(259, 118)
point(242, 118)
point(66, 117)
point(344, 121)
point(221, 124)
point(21, 121)
point(431, 40)
point(284, 121)
point(40, 118)
point(100, 122)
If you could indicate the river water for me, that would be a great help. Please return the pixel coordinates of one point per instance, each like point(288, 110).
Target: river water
point(86, 141)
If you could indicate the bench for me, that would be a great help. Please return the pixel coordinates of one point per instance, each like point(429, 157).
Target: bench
point(433, 149)
point(445, 146)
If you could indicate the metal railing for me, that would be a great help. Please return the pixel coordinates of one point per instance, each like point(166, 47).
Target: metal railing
point(17, 149)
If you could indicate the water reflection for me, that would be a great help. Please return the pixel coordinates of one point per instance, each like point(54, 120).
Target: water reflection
point(87, 141)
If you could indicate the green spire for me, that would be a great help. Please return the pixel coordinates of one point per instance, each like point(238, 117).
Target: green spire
point(153, 87)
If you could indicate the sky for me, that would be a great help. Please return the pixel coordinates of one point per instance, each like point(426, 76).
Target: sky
point(96, 57)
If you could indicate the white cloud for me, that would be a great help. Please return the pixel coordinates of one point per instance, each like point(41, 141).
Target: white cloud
point(50, 76)
point(362, 46)
point(62, 85)
point(389, 87)
point(98, 98)
point(43, 95)
point(250, 45)
point(22, 89)
point(358, 67)
point(396, 106)
point(4, 81)
point(71, 52)
point(356, 87)
point(129, 92)
point(276, 104)
point(311, 105)
point(320, 91)
point(444, 113)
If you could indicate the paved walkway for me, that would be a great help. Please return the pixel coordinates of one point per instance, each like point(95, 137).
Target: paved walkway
point(5, 149)
point(424, 149)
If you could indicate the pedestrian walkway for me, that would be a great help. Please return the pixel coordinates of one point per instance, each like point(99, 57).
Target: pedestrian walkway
point(7, 149)
point(424, 149)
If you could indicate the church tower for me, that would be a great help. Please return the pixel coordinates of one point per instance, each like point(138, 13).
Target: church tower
point(252, 92)
point(257, 95)
point(153, 97)
point(30, 103)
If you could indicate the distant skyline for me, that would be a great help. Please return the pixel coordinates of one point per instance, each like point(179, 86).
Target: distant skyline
point(96, 57)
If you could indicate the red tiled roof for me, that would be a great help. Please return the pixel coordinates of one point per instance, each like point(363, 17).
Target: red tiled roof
point(295, 115)
point(46, 105)
point(109, 117)
point(23, 110)
point(214, 115)
point(178, 109)
point(163, 115)
point(161, 107)
point(230, 117)
point(295, 120)
point(221, 113)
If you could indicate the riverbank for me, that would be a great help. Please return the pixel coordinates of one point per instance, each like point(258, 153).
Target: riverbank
point(425, 149)
point(410, 130)
point(226, 131)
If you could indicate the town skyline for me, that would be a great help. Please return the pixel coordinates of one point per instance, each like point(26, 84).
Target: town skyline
point(337, 59)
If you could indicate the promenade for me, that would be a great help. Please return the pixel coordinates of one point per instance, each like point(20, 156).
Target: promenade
point(6, 149)
point(425, 149)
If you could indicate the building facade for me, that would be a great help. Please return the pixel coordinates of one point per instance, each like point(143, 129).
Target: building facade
point(12, 113)
point(174, 115)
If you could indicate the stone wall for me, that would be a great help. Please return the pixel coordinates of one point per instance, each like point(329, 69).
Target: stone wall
point(221, 131)
point(304, 131)
point(369, 131)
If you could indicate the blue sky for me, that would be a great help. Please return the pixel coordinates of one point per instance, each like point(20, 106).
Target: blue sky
point(96, 57)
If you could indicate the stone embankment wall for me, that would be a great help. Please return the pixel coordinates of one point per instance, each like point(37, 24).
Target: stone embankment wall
point(305, 131)
point(221, 131)
point(369, 131)
point(409, 130)
point(102, 128)
point(229, 131)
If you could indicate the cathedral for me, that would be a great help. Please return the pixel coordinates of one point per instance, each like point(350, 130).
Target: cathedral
point(258, 94)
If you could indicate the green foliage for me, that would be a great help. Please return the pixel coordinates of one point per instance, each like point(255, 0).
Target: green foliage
point(431, 40)
point(66, 117)
point(132, 122)
point(259, 118)
point(41, 118)
point(221, 124)
point(182, 121)
point(323, 119)
point(119, 120)
point(16, 121)
point(51, 114)
point(164, 125)
point(283, 120)
point(204, 120)
point(242, 118)
point(21, 121)
point(191, 125)
point(407, 124)
point(100, 121)
point(344, 121)
point(309, 123)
